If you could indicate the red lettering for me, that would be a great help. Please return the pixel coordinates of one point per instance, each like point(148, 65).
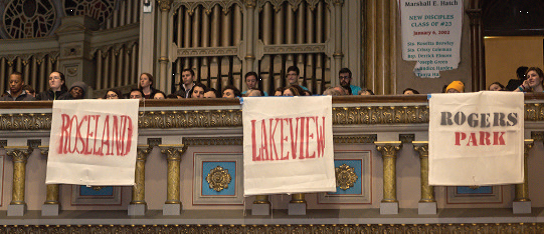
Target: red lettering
point(70, 134)
point(283, 139)
point(64, 135)
point(294, 137)
point(498, 139)
point(472, 138)
point(95, 151)
point(106, 136)
point(484, 138)
point(459, 136)
point(273, 148)
point(264, 142)
point(320, 132)
point(301, 155)
point(254, 142)
point(308, 136)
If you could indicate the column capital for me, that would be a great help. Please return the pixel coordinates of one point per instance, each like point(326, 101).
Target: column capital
point(20, 154)
point(388, 148)
point(422, 147)
point(143, 152)
point(173, 152)
point(338, 3)
point(250, 3)
point(528, 143)
point(164, 5)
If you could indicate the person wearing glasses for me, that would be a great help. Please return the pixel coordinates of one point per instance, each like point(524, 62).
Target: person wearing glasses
point(113, 94)
point(57, 87)
point(345, 81)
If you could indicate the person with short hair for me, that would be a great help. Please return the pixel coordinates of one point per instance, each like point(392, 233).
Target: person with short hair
point(409, 91)
point(365, 91)
point(279, 91)
point(186, 84)
point(231, 92)
point(332, 92)
point(57, 87)
point(77, 90)
point(252, 82)
point(345, 76)
point(254, 93)
point(16, 91)
point(293, 73)
point(136, 94)
point(113, 94)
point(455, 87)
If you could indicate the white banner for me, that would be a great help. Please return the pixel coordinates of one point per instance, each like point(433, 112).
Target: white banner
point(93, 142)
point(288, 145)
point(431, 35)
point(476, 138)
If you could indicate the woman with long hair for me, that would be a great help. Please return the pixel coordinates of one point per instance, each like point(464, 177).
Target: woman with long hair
point(533, 83)
point(57, 87)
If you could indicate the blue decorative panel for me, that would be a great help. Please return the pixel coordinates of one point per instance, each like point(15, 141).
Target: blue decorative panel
point(230, 190)
point(92, 191)
point(480, 190)
point(357, 186)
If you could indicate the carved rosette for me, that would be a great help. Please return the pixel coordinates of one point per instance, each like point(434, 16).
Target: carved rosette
point(218, 178)
point(345, 177)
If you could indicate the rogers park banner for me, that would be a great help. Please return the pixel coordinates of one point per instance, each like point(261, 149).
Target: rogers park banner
point(288, 145)
point(431, 35)
point(93, 142)
point(476, 138)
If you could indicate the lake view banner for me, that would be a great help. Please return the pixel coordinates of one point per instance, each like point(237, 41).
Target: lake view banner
point(476, 138)
point(288, 145)
point(431, 35)
point(93, 142)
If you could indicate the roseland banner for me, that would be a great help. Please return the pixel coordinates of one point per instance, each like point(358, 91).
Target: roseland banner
point(93, 142)
point(288, 145)
point(476, 138)
point(431, 35)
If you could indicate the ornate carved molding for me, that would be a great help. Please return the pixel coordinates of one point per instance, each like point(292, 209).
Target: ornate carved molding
point(357, 139)
point(381, 115)
point(205, 52)
point(191, 119)
point(209, 5)
point(290, 49)
point(218, 178)
point(345, 177)
point(213, 141)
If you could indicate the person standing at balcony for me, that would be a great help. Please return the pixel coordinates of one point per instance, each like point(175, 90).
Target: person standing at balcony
point(187, 83)
point(57, 87)
point(77, 91)
point(533, 83)
point(345, 76)
point(16, 91)
point(146, 85)
point(293, 73)
point(252, 82)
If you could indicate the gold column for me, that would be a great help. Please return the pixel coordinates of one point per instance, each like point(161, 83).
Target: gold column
point(427, 192)
point(173, 156)
point(522, 190)
point(138, 190)
point(298, 198)
point(52, 193)
point(261, 199)
point(389, 149)
point(20, 156)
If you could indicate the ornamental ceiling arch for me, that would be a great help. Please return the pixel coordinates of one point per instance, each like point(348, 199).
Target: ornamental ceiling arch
point(40, 18)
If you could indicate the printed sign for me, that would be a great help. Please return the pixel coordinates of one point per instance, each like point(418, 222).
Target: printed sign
point(288, 146)
point(93, 142)
point(476, 138)
point(431, 35)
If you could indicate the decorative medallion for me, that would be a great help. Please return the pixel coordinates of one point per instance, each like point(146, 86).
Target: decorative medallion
point(218, 178)
point(345, 177)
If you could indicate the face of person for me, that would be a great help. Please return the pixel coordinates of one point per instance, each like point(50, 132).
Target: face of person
point(292, 78)
point(278, 93)
point(15, 84)
point(533, 79)
point(159, 96)
point(76, 92)
point(135, 95)
point(210, 94)
point(495, 87)
point(452, 91)
point(186, 78)
point(408, 92)
point(144, 81)
point(198, 92)
point(251, 82)
point(229, 93)
point(345, 79)
point(287, 93)
point(111, 95)
point(364, 93)
point(55, 82)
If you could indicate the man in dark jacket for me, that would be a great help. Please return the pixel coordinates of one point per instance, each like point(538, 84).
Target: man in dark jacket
point(76, 91)
point(16, 91)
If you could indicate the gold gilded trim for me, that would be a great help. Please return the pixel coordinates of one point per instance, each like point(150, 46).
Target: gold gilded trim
point(345, 177)
point(356, 139)
point(380, 115)
point(218, 178)
point(213, 141)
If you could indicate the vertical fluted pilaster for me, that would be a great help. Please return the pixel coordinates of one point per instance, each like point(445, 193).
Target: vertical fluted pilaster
point(165, 6)
point(389, 153)
point(522, 190)
point(338, 55)
point(427, 192)
point(173, 156)
point(250, 53)
point(20, 156)
point(138, 190)
point(52, 193)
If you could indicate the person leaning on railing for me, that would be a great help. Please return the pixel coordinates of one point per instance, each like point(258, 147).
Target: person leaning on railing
point(533, 83)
